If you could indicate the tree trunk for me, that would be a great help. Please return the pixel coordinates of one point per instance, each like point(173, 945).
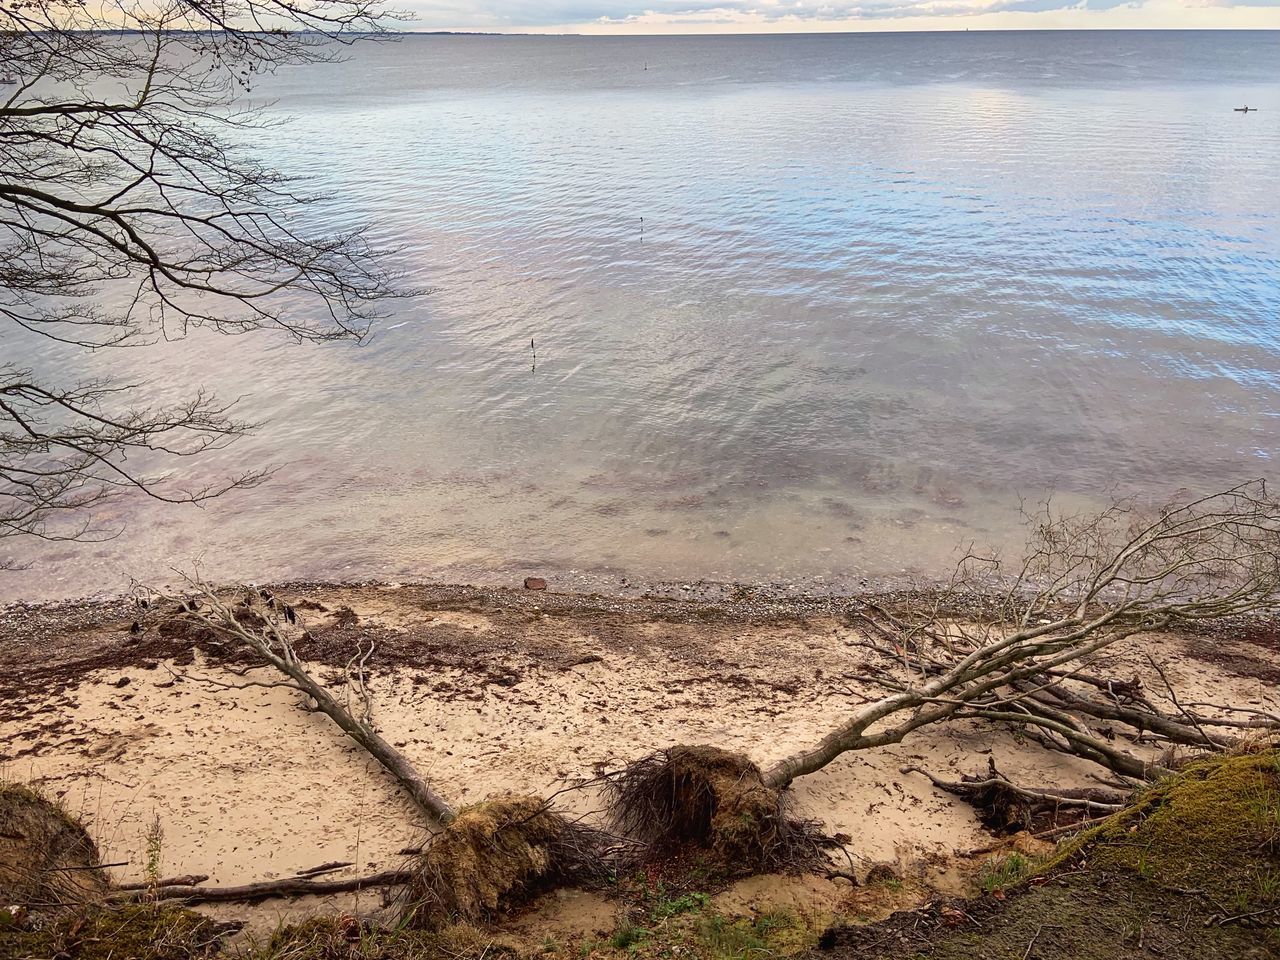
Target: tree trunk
point(391, 759)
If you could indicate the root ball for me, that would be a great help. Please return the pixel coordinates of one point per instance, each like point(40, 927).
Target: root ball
point(47, 859)
point(495, 856)
point(714, 799)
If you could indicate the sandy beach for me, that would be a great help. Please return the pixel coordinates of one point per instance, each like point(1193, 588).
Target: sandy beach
point(491, 691)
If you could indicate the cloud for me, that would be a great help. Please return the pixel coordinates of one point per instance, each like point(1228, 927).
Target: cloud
point(515, 14)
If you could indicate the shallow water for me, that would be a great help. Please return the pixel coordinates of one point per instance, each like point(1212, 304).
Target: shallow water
point(804, 308)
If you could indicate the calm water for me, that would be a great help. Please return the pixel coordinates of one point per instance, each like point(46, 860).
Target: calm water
point(805, 308)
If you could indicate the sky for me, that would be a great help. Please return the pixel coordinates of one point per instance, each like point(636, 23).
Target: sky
point(814, 16)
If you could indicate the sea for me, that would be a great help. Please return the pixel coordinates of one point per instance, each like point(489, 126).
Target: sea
point(818, 312)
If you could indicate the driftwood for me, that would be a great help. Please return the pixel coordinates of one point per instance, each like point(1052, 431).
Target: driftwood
point(263, 890)
point(188, 880)
point(324, 868)
point(265, 629)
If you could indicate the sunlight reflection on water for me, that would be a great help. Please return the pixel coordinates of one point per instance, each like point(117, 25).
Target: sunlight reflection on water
point(784, 328)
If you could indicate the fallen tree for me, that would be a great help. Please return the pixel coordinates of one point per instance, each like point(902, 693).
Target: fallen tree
point(261, 626)
point(481, 861)
point(1026, 656)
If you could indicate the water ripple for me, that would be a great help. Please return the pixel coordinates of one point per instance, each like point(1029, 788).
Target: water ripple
point(801, 306)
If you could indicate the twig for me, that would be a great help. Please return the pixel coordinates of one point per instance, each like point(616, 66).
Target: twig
point(1246, 916)
point(323, 868)
point(190, 880)
point(1173, 697)
point(1026, 953)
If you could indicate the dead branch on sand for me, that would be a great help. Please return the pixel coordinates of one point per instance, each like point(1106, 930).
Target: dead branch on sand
point(186, 880)
point(1085, 584)
point(266, 630)
point(264, 890)
point(1004, 807)
point(487, 858)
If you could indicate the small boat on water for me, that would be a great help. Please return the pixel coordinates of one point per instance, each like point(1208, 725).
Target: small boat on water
point(1246, 109)
point(8, 78)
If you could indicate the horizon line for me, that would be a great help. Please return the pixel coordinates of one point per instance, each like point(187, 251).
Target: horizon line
point(821, 33)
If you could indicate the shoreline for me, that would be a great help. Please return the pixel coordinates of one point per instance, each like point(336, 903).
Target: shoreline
point(561, 581)
point(495, 690)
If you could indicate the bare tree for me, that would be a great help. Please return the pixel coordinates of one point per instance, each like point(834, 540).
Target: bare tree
point(1085, 584)
point(64, 452)
point(131, 210)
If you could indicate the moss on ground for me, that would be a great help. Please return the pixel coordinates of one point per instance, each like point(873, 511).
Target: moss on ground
point(1191, 871)
point(1214, 828)
point(133, 932)
point(1081, 917)
point(703, 933)
point(346, 938)
point(686, 927)
point(663, 916)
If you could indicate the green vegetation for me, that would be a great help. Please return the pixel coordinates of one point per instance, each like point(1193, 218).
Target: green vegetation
point(628, 936)
point(775, 934)
point(1191, 871)
point(1000, 873)
point(1214, 828)
point(663, 923)
point(703, 933)
point(347, 938)
point(674, 906)
point(135, 932)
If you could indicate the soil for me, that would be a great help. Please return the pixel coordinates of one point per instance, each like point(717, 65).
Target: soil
point(1091, 916)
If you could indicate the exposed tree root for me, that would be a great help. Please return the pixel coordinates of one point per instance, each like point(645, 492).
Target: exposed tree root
point(1004, 807)
point(712, 799)
point(47, 859)
point(497, 855)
